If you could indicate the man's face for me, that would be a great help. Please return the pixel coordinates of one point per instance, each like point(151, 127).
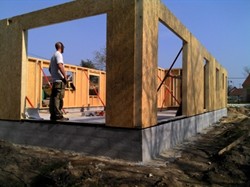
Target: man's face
point(62, 48)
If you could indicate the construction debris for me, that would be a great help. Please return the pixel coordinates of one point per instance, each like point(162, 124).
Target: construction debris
point(32, 113)
point(234, 143)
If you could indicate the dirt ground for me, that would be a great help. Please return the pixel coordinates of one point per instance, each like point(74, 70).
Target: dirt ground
point(220, 156)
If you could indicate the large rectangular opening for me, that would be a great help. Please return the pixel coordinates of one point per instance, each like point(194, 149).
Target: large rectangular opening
point(84, 62)
point(169, 72)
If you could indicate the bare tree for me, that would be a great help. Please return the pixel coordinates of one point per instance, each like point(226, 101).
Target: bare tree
point(98, 62)
point(88, 64)
point(100, 59)
point(246, 71)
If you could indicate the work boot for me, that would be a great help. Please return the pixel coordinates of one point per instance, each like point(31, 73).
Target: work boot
point(58, 118)
point(63, 119)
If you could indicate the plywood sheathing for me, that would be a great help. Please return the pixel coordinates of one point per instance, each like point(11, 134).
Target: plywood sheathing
point(65, 12)
point(149, 62)
point(170, 93)
point(193, 78)
point(120, 64)
point(78, 98)
point(132, 51)
point(193, 70)
point(13, 71)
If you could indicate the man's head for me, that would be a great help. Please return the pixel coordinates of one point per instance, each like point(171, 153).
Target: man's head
point(59, 46)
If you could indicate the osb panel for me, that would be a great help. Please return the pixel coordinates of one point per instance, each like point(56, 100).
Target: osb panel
point(149, 62)
point(135, 60)
point(77, 98)
point(120, 65)
point(103, 87)
point(212, 89)
point(217, 85)
point(170, 92)
point(70, 96)
point(65, 12)
point(169, 20)
point(193, 76)
point(80, 97)
point(11, 37)
point(94, 101)
point(193, 85)
point(31, 84)
point(85, 87)
point(81, 84)
point(224, 88)
point(220, 86)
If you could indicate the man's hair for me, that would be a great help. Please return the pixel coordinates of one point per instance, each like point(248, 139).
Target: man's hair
point(59, 45)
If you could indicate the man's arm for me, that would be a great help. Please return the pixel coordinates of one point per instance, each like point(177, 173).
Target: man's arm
point(62, 70)
point(50, 68)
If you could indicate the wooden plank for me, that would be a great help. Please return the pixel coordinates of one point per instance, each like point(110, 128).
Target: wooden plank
point(234, 143)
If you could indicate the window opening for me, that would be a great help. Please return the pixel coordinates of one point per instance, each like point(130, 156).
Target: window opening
point(46, 87)
point(71, 80)
point(217, 79)
point(93, 85)
point(206, 83)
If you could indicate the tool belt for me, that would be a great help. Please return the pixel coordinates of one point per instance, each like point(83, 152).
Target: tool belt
point(59, 85)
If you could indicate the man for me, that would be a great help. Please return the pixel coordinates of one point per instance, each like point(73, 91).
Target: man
point(59, 78)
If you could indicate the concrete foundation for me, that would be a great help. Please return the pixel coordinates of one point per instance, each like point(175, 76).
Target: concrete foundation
point(166, 135)
point(98, 140)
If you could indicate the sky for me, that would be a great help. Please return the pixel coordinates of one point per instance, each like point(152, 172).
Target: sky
point(222, 27)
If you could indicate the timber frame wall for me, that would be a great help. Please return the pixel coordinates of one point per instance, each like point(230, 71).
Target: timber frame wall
point(168, 96)
point(78, 98)
point(132, 33)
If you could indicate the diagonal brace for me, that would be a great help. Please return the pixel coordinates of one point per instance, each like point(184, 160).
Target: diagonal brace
point(167, 74)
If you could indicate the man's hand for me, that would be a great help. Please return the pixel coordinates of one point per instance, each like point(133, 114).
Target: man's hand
point(65, 81)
